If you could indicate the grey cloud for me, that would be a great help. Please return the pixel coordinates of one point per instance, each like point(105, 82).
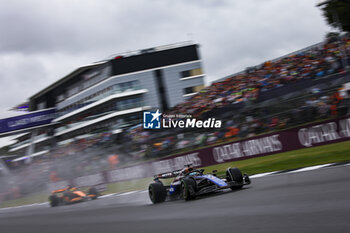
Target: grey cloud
point(46, 40)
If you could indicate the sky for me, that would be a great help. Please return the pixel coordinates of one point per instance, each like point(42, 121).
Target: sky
point(41, 41)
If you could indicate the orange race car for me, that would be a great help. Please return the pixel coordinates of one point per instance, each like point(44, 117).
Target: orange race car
point(71, 195)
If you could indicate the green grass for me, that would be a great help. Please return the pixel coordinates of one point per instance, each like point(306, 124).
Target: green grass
point(336, 152)
point(126, 186)
point(30, 199)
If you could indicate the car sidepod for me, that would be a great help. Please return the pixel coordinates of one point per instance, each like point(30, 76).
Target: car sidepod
point(219, 182)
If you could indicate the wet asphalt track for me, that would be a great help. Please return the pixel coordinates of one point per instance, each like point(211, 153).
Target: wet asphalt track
point(312, 201)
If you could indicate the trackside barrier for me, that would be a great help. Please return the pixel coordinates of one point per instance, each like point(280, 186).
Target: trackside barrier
point(311, 135)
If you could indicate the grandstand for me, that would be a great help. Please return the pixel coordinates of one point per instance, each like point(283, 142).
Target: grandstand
point(296, 88)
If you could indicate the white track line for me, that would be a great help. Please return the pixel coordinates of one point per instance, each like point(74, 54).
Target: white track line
point(43, 203)
point(23, 206)
point(122, 194)
point(310, 168)
point(107, 195)
point(261, 175)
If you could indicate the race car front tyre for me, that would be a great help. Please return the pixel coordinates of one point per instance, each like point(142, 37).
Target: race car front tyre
point(188, 188)
point(54, 200)
point(157, 192)
point(234, 174)
point(93, 193)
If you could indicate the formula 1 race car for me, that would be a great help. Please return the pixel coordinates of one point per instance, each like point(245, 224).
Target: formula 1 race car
point(190, 183)
point(71, 195)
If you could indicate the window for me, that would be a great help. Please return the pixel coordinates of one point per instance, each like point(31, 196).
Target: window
point(41, 105)
point(195, 72)
point(194, 89)
point(60, 98)
point(188, 90)
point(185, 74)
point(117, 88)
point(189, 73)
point(198, 88)
point(73, 91)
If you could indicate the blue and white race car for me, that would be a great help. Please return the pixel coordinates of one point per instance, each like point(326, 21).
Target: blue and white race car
point(190, 183)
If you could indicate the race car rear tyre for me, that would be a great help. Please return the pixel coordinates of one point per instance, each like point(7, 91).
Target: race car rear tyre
point(234, 174)
point(54, 200)
point(93, 191)
point(157, 192)
point(188, 189)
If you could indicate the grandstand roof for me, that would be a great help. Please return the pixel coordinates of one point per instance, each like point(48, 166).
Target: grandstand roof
point(67, 77)
point(122, 55)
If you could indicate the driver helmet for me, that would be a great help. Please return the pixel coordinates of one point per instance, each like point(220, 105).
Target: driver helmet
point(187, 170)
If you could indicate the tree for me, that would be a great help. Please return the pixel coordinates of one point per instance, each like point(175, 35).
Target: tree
point(337, 13)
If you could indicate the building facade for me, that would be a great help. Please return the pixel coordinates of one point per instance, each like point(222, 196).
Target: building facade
point(112, 94)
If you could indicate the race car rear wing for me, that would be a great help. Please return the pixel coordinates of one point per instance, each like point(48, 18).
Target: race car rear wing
point(167, 175)
point(59, 190)
point(172, 174)
point(64, 189)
